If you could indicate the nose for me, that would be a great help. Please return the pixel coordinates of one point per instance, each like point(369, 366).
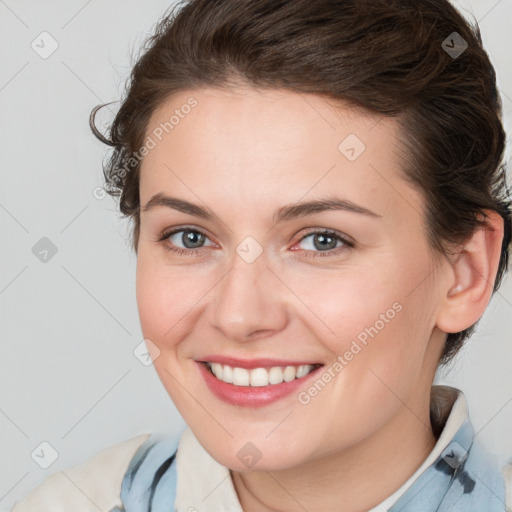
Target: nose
point(249, 302)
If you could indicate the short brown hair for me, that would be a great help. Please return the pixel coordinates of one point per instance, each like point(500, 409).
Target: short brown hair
point(388, 56)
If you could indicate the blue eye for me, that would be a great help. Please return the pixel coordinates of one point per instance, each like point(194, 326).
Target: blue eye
point(190, 238)
point(324, 242)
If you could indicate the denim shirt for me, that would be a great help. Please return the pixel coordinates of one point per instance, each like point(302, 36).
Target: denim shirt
point(461, 478)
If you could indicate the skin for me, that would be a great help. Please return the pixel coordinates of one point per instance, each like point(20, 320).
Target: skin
point(244, 153)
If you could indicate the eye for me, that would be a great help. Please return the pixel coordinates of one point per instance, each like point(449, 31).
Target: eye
point(190, 239)
point(324, 243)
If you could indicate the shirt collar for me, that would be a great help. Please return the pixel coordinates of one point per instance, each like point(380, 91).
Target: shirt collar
point(448, 414)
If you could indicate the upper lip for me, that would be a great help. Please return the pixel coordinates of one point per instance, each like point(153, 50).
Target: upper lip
point(253, 363)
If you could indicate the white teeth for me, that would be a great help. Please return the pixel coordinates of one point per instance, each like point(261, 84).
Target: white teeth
point(259, 376)
point(275, 375)
point(289, 373)
point(302, 370)
point(217, 370)
point(240, 377)
point(227, 374)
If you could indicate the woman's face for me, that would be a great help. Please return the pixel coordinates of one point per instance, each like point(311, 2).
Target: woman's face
point(254, 277)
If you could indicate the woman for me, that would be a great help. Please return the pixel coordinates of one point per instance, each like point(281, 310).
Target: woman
point(320, 220)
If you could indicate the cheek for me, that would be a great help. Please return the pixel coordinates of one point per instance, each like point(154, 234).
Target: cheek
point(352, 304)
point(170, 298)
point(149, 293)
point(161, 299)
point(369, 315)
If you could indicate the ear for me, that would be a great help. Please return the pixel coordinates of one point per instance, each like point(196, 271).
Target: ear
point(471, 281)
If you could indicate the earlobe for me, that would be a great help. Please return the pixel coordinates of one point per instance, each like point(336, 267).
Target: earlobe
point(473, 275)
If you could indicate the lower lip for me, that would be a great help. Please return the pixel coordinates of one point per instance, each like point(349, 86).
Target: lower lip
point(252, 396)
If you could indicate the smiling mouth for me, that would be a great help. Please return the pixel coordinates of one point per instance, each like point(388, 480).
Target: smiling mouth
point(258, 377)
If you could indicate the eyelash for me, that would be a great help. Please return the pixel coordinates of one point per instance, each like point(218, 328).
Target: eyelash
point(194, 252)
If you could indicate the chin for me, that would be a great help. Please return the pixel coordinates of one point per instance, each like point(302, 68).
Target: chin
point(246, 456)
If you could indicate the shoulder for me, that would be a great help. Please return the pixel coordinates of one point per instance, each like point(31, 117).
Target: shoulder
point(90, 486)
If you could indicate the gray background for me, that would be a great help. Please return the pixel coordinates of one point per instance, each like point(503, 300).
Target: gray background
point(70, 325)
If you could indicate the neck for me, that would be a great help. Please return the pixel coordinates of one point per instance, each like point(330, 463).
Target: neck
point(354, 480)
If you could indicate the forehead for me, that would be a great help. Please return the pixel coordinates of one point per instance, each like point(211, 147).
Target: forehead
point(261, 144)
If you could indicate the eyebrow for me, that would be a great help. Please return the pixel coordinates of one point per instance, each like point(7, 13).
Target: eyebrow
point(285, 213)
